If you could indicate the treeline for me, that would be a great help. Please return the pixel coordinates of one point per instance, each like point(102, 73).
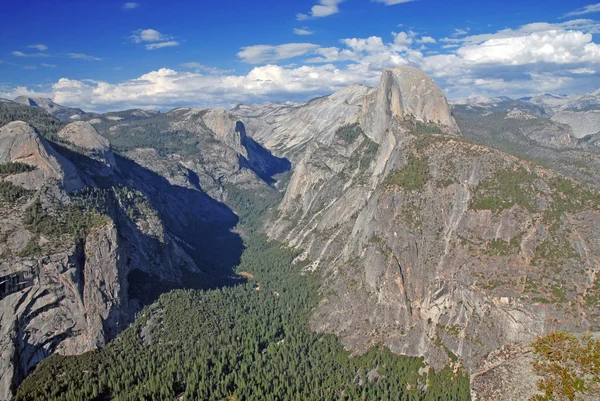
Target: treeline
point(12, 193)
point(249, 342)
point(87, 209)
point(14, 168)
point(45, 123)
point(156, 133)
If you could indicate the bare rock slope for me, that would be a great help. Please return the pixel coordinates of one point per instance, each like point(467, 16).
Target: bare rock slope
point(87, 237)
point(438, 247)
point(20, 143)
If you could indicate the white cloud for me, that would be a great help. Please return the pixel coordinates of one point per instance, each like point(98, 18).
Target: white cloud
point(153, 39)
point(38, 47)
point(260, 54)
point(160, 45)
point(201, 68)
point(592, 8)
point(460, 32)
point(302, 31)
point(148, 35)
point(392, 2)
point(21, 54)
point(537, 57)
point(48, 65)
point(325, 8)
point(82, 56)
point(130, 6)
point(170, 88)
point(426, 39)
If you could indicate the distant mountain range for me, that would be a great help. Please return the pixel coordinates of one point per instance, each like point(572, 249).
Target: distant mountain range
point(580, 111)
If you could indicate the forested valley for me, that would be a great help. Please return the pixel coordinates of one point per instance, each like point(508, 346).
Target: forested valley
point(250, 341)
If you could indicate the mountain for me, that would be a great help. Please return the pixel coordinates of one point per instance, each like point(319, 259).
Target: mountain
point(579, 111)
point(455, 234)
point(89, 235)
point(65, 114)
point(435, 246)
point(522, 129)
point(286, 128)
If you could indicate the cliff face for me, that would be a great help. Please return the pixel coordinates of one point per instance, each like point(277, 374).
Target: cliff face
point(20, 143)
point(438, 247)
point(286, 129)
point(92, 236)
point(405, 91)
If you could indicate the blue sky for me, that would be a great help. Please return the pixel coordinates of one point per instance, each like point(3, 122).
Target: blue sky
point(103, 55)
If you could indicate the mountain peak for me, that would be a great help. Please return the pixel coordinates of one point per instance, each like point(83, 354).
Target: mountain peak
point(405, 91)
point(20, 142)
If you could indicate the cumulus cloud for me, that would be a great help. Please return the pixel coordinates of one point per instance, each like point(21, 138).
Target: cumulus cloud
point(324, 8)
point(170, 88)
point(260, 54)
point(153, 39)
point(426, 39)
point(148, 35)
point(39, 47)
point(592, 8)
point(130, 6)
point(302, 31)
point(534, 58)
point(201, 68)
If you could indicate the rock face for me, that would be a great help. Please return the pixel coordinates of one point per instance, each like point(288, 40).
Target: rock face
point(286, 129)
point(83, 135)
point(404, 91)
point(152, 228)
point(65, 114)
point(20, 143)
point(434, 246)
point(582, 122)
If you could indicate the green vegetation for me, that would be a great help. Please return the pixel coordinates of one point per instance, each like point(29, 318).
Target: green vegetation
point(14, 168)
point(247, 342)
point(569, 197)
point(349, 133)
point(569, 367)
point(76, 219)
point(499, 247)
point(553, 252)
point(505, 189)
point(156, 133)
point(412, 176)
point(12, 193)
point(250, 342)
point(134, 203)
point(366, 151)
point(45, 123)
point(427, 128)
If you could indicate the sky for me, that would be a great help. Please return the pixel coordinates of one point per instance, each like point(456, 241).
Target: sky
point(154, 54)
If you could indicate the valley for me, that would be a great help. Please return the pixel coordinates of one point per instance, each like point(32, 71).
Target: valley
point(377, 243)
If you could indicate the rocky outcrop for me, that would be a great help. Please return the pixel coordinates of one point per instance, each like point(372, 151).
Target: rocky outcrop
point(63, 113)
point(286, 128)
point(60, 293)
point(83, 136)
point(405, 91)
point(403, 221)
point(19, 142)
point(581, 122)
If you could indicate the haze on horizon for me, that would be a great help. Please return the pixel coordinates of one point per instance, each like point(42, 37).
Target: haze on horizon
point(148, 54)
